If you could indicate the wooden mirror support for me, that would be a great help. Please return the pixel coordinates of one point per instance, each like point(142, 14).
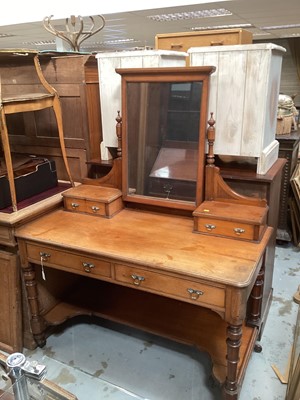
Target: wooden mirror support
point(100, 197)
point(216, 209)
point(224, 212)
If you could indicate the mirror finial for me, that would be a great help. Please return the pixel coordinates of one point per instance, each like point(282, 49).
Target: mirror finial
point(119, 134)
point(211, 140)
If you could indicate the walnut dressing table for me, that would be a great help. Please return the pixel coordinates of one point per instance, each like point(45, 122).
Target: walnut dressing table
point(185, 261)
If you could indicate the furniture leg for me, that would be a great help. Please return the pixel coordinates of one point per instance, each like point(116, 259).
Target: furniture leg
point(255, 301)
point(234, 335)
point(58, 115)
point(37, 323)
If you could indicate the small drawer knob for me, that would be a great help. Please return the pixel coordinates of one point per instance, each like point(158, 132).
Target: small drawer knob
point(95, 209)
point(74, 205)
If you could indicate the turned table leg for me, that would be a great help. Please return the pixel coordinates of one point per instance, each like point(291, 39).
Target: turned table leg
point(256, 297)
point(234, 335)
point(37, 323)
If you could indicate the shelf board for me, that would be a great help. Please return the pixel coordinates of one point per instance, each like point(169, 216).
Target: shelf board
point(173, 319)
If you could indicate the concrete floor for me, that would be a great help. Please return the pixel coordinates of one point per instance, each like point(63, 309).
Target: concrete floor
point(95, 359)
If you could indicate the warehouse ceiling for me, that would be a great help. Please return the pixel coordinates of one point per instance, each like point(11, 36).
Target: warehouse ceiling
point(266, 19)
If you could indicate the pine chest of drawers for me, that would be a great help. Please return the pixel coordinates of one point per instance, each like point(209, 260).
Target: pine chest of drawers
point(182, 41)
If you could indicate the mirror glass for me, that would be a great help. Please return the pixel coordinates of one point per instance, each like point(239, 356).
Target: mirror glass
point(163, 139)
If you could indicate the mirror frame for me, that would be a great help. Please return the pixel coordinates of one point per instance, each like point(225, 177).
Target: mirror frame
point(168, 75)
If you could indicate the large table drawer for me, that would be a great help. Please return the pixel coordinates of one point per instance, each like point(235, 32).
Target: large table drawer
point(68, 261)
point(180, 288)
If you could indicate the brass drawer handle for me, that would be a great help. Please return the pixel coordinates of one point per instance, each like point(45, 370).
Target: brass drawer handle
point(88, 266)
point(195, 294)
point(74, 205)
point(167, 189)
point(137, 279)
point(176, 45)
point(210, 227)
point(44, 256)
point(95, 209)
point(239, 231)
point(217, 43)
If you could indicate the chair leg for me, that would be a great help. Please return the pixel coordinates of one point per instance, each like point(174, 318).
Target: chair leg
point(58, 115)
point(8, 160)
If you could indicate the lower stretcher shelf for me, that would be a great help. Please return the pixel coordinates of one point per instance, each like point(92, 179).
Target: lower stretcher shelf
point(173, 319)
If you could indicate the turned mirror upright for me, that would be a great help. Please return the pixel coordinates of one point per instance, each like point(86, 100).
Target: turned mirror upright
point(164, 113)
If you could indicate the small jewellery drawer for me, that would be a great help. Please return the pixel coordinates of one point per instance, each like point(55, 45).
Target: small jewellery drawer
point(226, 228)
point(231, 220)
point(92, 199)
point(182, 289)
point(43, 255)
point(84, 206)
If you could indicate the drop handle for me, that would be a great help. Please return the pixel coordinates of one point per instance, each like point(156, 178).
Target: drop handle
point(167, 189)
point(210, 227)
point(195, 294)
point(238, 231)
point(88, 266)
point(137, 279)
point(44, 256)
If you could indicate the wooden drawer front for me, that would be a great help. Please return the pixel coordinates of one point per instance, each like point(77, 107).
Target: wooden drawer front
point(76, 205)
point(234, 229)
point(84, 206)
point(186, 41)
point(94, 207)
point(69, 261)
point(181, 289)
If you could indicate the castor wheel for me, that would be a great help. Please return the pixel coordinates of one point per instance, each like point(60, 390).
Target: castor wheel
point(258, 348)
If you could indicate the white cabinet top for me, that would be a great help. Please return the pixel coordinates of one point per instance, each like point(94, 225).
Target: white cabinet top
point(142, 53)
point(237, 48)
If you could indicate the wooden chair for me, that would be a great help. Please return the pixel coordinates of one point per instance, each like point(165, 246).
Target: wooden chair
point(12, 102)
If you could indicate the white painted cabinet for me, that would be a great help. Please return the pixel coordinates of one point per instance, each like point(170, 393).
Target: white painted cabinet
point(243, 97)
point(110, 83)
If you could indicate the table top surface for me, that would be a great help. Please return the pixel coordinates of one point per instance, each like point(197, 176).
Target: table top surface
point(164, 242)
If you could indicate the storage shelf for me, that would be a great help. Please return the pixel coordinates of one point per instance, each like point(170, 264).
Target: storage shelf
point(173, 319)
